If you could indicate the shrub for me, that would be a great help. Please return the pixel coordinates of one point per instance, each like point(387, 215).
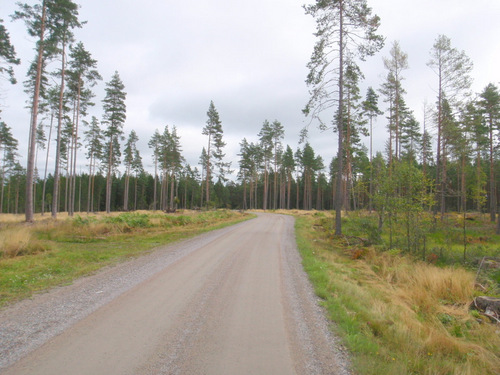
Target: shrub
point(131, 220)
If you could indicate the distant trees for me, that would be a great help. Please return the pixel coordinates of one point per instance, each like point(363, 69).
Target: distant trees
point(171, 161)
point(94, 138)
point(8, 157)
point(311, 164)
point(397, 184)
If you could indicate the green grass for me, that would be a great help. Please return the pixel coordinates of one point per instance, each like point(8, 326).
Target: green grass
point(76, 247)
point(396, 314)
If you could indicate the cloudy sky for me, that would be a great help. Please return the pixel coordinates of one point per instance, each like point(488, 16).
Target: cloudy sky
point(250, 58)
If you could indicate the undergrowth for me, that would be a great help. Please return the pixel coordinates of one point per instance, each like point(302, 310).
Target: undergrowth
point(395, 313)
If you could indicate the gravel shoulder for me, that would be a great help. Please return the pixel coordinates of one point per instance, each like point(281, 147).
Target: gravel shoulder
point(235, 300)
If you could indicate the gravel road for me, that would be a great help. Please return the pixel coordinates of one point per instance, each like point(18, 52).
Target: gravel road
point(233, 301)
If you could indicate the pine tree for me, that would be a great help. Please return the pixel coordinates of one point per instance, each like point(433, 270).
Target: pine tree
point(63, 23)
point(94, 141)
point(214, 150)
point(82, 73)
point(452, 69)
point(245, 172)
point(354, 126)
point(490, 105)
point(371, 110)
point(155, 144)
point(311, 164)
point(36, 21)
point(396, 64)
point(114, 117)
point(278, 133)
point(473, 119)
point(289, 166)
point(7, 54)
point(8, 157)
point(138, 170)
point(266, 144)
point(205, 163)
point(128, 161)
point(344, 28)
point(171, 161)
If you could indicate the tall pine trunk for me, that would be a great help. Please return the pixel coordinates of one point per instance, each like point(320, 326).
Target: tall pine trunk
point(47, 163)
point(109, 176)
point(30, 170)
point(493, 203)
point(55, 195)
point(340, 154)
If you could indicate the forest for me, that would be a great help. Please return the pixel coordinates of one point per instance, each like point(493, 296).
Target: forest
point(449, 163)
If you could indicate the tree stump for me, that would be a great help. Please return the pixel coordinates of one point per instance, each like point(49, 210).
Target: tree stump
point(488, 306)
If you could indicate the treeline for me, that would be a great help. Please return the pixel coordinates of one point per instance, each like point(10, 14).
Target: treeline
point(448, 163)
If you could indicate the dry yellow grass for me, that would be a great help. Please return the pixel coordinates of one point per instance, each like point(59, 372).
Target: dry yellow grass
point(417, 314)
point(19, 240)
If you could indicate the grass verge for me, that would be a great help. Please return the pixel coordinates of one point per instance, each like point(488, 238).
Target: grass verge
point(51, 253)
point(397, 315)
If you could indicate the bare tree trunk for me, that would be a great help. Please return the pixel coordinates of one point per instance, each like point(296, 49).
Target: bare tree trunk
point(109, 176)
point(75, 150)
point(47, 163)
point(155, 183)
point(89, 182)
point(55, 195)
point(207, 187)
point(266, 177)
point(443, 182)
point(439, 182)
point(340, 154)
point(135, 193)
point(289, 178)
point(125, 193)
point(30, 169)
point(493, 203)
point(172, 192)
point(463, 187)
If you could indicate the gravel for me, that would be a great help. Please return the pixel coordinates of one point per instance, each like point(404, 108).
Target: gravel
point(28, 324)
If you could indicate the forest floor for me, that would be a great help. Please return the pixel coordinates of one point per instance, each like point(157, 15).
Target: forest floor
point(406, 312)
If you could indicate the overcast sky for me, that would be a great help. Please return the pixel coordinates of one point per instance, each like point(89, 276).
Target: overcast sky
point(250, 58)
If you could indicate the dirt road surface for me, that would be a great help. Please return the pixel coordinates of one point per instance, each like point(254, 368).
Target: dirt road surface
point(235, 301)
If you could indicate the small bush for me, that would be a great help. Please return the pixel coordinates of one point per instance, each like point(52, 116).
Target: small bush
point(131, 220)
